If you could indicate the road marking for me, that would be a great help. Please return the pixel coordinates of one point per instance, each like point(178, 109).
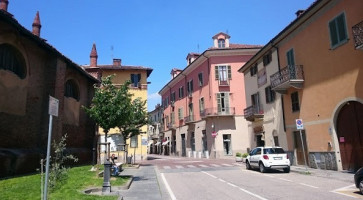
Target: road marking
point(238, 164)
point(227, 165)
point(285, 179)
point(337, 192)
point(209, 174)
point(214, 165)
point(340, 190)
point(167, 167)
point(191, 161)
point(308, 185)
point(172, 196)
point(203, 165)
point(179, 166)
point(191, 166)
point(246, 191)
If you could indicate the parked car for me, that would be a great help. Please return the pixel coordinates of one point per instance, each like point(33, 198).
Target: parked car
point(358, 179)
point(266, 158)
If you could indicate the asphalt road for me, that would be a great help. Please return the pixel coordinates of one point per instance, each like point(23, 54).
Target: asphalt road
point(225, 179)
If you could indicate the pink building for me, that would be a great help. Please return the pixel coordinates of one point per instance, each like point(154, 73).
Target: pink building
point(203, 104)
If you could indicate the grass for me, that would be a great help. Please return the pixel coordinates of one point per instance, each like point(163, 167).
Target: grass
point(79, 178)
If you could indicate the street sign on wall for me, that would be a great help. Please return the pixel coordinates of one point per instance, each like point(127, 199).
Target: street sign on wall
point(53, 106)
point(299, 124)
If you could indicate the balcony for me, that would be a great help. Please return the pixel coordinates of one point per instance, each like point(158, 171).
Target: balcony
point(211, 112)
point(253, 113)
point(223, 82)
point(189, 119)
point(357, 31)
point(290, 76)
point(171, 125)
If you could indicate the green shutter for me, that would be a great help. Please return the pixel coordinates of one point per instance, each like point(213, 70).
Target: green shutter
point(219, 105)
point(226, 102)
point(333, 33)
point(216, 72)
point(229, 72)
point(341, 28)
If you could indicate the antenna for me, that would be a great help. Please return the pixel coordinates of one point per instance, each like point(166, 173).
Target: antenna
point(112, 52)
point(198, 47)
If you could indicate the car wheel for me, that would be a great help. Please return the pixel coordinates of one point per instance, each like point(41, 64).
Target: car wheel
point(262, 168)
point(287, 169)
point(248, 166)
point(361, 186)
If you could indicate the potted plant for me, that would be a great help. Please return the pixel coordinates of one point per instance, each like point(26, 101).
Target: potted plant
point(244, 156)
point(238, 157)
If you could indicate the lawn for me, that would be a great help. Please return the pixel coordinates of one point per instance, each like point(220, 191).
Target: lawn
point(79, 178)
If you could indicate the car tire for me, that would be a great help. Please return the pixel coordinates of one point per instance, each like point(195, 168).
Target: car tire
point(248, 166)
point(287, 169)
point(262, 168)
point(361, 186)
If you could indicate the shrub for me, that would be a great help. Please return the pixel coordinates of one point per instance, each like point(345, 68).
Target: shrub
point(244, 155)
point(238, 154)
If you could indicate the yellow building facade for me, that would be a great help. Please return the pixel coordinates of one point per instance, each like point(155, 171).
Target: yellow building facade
point(137, 145)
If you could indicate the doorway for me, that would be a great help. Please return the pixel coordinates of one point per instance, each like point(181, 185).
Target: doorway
point(227, 144)
point(350, 135)
point(299, 148)
point(183, 145)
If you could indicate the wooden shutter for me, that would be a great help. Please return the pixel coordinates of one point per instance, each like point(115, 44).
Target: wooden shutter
point(341, 28)
point(219, 104)
point(191, 86)
point(290, 57)
point(229, 72)
point(216, 72)
point(226, 102)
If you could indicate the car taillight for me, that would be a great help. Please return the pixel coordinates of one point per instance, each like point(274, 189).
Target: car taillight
point(265, 157)
point(287, 156)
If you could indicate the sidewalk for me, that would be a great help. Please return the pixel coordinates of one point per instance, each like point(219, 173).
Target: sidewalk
point(147, 184)
point(337, 175)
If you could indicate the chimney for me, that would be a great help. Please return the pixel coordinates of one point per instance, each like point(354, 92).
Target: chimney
point(116, 62)
point(36, 25)
point(93, 56)
point(299, 13)
point(4, 5)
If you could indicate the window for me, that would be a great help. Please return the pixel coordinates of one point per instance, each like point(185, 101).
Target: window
point(221, 43)
point(172, 97)
point(71, 90)
point(276, 140)
point(172, 118)
point(253, 70)
point(270, 94)
point(167, 120)
point(190, 86)
point(223, 74)
point(295, 102)
point(181, 92)
point(223, 102)
point(338, 31)
point(255, 100)
point(191, 112)
point(192, 141)
point(267, 59)
point(200, 78)
point(201, 105)
point(290, 58)
point(12, 60)
point(180, 113)
point(133, 142)
point(135, 80)
point(227, 148)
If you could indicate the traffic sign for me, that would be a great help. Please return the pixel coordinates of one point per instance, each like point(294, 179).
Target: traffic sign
point(299, 124)
point(214, 134)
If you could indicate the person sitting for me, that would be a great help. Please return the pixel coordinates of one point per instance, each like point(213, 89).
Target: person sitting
point(114, 166)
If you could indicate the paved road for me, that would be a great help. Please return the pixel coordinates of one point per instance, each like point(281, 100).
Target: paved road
point(225, 179)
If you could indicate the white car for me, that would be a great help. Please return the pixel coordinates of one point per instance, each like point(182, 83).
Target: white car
point(268, 158)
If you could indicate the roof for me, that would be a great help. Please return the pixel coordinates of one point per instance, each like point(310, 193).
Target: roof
point(8, 18)
point(122, 67)
point(239, 46)
point(273, 41)
point(221, 33)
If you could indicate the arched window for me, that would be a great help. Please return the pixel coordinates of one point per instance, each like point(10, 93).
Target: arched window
point(71, 89)
point(221, 43)
point(12, 60)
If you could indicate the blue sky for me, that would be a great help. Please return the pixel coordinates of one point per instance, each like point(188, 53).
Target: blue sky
point(153, 33)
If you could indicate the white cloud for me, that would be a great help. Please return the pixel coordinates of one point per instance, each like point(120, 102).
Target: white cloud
point(153, 96)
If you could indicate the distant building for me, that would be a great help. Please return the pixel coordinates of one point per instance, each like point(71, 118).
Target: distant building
point(203, 103)
point(319, 75)
point(31, 70)
point(154, 130)
point(138, 88)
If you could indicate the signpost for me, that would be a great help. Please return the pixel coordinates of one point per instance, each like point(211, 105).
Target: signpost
point(53, 111)
point(300, 126)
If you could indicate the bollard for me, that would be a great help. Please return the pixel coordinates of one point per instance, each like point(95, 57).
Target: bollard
point(106, 178)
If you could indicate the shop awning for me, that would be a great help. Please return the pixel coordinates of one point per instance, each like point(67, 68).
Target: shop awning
point(157, 143)
point(166, 142)
point(150, 143)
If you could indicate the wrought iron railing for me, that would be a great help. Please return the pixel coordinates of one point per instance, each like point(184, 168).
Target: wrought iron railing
point(253, 110)
point(218, 111)
point(357, 31)
point(291, 72)
point(189, 118)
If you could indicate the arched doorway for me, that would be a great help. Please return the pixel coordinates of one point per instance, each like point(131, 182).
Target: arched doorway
point(350, 135)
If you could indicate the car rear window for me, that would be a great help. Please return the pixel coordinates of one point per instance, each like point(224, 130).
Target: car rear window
point(273, 151)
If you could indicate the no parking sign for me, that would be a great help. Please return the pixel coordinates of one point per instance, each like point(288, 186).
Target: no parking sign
point(299, 124)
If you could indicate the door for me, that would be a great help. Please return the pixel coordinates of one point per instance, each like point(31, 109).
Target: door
point(192, 141)
point(183, 145)
point(227, 144)
point(299, 149)
point(204, 141)
point(350, 135)
point(223, 103)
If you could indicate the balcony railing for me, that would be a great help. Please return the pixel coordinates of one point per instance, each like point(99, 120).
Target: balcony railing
point(171, 125)
point(253, 112)
point(357, 31)
point(210, 112)
point(223, 82)
point(290, 76)
point(189, 119)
